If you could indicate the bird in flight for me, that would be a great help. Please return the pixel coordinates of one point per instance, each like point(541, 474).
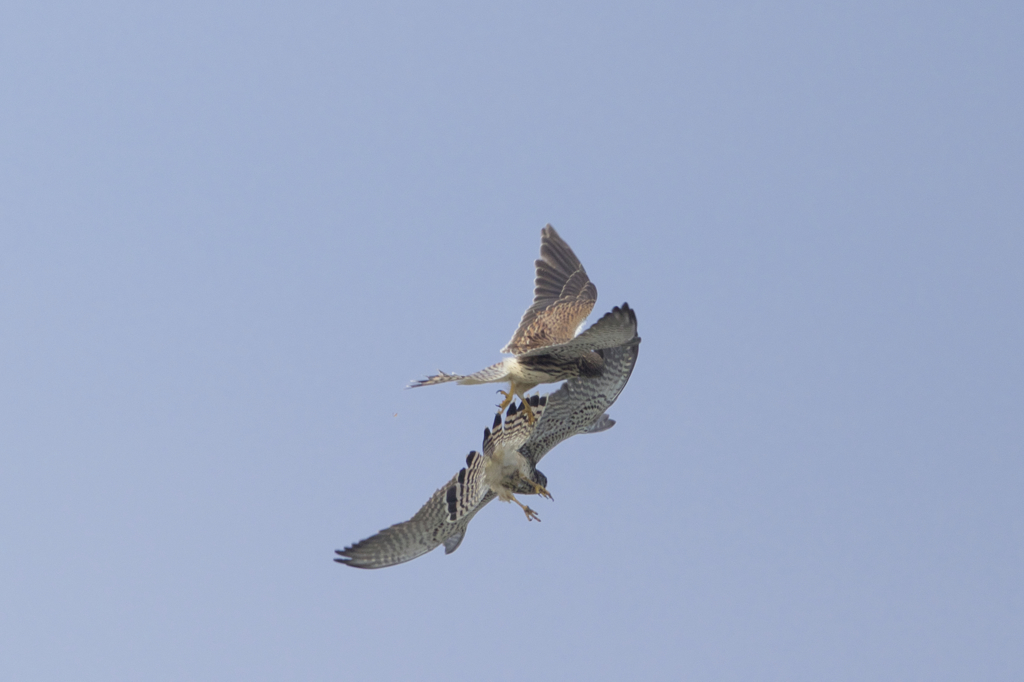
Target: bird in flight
point(508, 465)
point(545, 348)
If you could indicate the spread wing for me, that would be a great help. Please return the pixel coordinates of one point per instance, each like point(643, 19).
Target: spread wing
point(579, 405)
point(563, 296)
point(442, 520)
point(446, 515)
point(615, 328)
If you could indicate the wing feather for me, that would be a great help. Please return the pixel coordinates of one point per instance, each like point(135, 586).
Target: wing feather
point(430, 527)
point(579, 405)
point(563, 296)
point(615, 328)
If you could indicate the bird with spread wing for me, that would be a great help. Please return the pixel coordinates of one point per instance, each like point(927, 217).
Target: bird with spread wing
point(545, 348)
point(508, 465)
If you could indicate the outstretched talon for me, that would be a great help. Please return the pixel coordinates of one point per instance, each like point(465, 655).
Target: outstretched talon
point(509, 397)
point(538, 489)
point(530, 514)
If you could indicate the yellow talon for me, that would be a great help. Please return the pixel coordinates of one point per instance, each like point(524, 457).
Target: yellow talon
point(530, 514)
point(509, 397)
point(541, 490)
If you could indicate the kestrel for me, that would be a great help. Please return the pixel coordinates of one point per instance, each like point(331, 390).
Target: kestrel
point(508, 465)
point(505, 470)
point(545, 347)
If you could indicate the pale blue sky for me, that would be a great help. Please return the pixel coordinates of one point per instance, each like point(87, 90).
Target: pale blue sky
point(230, 236)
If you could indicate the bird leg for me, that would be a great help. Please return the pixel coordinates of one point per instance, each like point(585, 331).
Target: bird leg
point(530, 514)
point(510, 395)
point(538, 489)
point(529, 412)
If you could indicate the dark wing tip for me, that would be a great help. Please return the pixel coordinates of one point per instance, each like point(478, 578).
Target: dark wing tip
point(629, 311)
point(623, 309)
point(344, 559)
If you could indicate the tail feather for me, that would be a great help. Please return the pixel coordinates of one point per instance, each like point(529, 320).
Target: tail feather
point(439, 378)
point(516, 428)
point(487, 375)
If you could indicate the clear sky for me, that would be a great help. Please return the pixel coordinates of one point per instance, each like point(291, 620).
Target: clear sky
point(231, 234)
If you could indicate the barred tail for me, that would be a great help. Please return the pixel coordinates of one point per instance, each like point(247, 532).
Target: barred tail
point(494, 373)
point(489, 375)
point(439, 378)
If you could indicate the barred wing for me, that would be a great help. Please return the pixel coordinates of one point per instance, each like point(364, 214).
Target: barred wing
point(442, 520)
point(579, 405)
point(446, 515)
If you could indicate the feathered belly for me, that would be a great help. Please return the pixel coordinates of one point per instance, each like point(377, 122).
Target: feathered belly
point(500, 469)
point(543, 370)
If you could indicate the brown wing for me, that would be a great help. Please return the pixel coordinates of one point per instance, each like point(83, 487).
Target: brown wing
point(563, 296)
point(615, 328)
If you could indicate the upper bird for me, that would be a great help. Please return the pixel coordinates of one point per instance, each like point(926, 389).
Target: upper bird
point(545, 347)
